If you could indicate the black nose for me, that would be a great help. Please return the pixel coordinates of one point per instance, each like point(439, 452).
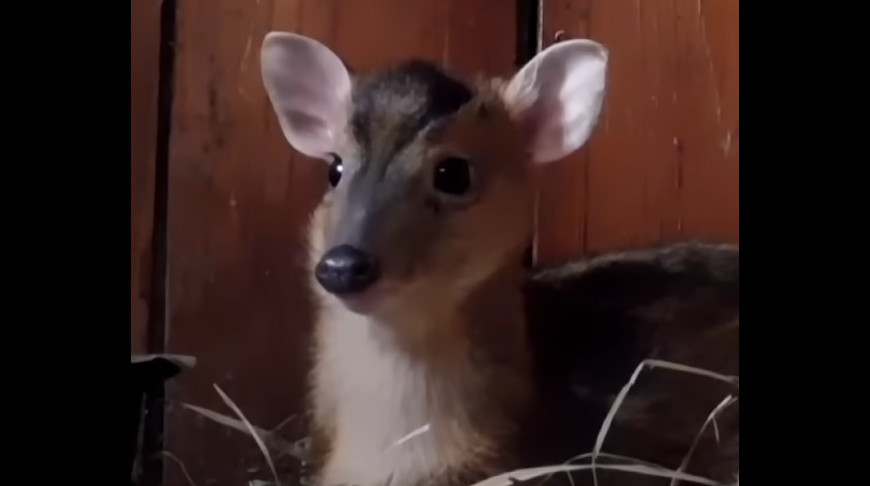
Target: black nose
point(345, 269)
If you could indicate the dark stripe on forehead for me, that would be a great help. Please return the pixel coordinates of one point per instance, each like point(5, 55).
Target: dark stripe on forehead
point(390, 107)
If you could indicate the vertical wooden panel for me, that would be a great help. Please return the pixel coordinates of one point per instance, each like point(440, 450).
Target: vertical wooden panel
point(239, 198)
point(664, 161)
point(144, 74)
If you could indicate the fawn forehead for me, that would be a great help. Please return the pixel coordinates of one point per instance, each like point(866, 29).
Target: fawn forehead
point(391, 107)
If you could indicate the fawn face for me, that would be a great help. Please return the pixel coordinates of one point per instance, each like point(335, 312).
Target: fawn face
point(430, 175)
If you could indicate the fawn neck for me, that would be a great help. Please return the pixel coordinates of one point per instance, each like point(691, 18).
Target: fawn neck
point(451, 361)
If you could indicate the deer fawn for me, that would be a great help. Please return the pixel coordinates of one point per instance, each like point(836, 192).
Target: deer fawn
point(416, 255)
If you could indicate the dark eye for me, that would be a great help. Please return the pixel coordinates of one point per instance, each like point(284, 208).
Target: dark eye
point(453, 176)
point(335, 170)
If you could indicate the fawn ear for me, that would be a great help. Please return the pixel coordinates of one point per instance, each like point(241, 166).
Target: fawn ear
point(557, 97)
point(309, 88)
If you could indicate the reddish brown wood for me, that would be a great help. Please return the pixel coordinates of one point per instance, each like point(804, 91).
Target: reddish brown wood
point(664, 161)
point(144, 73)
point(239, 198)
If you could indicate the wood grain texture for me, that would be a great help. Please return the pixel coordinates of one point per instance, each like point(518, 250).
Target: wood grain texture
point(239, 198)
point(663, 163)
point(144, 76)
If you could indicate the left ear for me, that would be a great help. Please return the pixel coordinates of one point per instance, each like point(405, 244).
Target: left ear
point(558, 95)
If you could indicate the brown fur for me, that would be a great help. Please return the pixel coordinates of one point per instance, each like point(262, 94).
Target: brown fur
point(446, 340)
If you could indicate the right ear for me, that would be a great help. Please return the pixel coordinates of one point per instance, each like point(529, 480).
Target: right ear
point(309, 88)
point(558, 95)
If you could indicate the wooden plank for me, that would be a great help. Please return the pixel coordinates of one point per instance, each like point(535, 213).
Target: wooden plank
point(144, 76)
point(664, 161)
point(239, 198)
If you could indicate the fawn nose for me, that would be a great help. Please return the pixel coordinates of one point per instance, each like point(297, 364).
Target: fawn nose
point(345, 270)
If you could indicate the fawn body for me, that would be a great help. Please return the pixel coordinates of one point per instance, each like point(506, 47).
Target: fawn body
point(416, 255)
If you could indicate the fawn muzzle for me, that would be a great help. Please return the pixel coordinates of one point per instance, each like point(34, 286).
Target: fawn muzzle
point(345, 269)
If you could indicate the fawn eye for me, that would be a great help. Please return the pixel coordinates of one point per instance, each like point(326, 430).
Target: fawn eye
point(453, 176)
point(335, 170)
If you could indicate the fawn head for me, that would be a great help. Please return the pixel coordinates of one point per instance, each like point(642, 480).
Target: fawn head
point(430, 175)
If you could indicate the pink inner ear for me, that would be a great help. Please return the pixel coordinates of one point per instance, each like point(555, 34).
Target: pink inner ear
point(309, 88)
point(311, 135)
point(541, 122)
point(308, 126)
point(557, 97)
